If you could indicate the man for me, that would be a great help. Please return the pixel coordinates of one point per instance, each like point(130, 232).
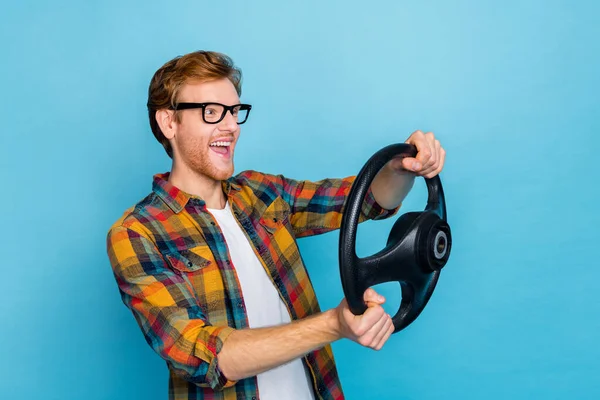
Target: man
point(208, 261)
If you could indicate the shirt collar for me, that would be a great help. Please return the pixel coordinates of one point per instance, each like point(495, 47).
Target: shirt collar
point(176, 198)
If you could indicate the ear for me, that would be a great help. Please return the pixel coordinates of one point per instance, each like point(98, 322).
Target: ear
point(166, 121)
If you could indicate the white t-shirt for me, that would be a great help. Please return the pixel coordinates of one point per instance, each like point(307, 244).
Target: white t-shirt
point(264, 308)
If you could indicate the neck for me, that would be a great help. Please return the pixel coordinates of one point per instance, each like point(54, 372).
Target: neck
point(206, 188)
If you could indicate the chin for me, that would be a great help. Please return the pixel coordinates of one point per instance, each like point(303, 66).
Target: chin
point(218, 174)
point(211, 168)
point(223, 175)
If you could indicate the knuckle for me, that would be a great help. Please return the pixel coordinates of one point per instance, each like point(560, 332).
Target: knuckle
point(360, 331)
point(378, 312)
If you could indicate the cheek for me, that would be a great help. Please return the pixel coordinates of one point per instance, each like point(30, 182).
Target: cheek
point(196, 138)
point(195, 145)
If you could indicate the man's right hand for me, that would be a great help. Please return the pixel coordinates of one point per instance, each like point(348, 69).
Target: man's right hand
point(371, 329)
point(248, 352)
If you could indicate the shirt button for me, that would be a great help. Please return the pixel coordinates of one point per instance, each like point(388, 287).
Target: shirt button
point(240, 304)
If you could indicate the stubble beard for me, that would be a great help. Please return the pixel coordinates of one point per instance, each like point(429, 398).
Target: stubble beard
point(196, 155)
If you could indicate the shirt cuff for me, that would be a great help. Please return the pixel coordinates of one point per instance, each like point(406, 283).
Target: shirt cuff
point(371, 209)
point(215, 337)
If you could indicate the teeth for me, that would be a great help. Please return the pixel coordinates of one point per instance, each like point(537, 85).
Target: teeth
point(224, 144)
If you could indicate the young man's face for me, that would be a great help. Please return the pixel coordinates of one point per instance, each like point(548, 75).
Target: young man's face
point(207, 148)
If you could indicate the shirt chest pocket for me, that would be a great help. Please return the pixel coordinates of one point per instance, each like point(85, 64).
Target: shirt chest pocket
point(276, 224)
point(191, 260)
point(276, 216)
point(199, 269)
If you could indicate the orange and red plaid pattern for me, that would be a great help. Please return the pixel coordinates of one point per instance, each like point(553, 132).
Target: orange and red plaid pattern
point(173, 271)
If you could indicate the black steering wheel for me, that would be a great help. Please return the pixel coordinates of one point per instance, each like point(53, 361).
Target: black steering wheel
point(418, 246)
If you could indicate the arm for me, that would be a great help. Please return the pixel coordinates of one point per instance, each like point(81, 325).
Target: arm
point(317, 207)
point(249, 352)
point(166, 310)
point(174, 326)
point(396, 178)
point(391, 186)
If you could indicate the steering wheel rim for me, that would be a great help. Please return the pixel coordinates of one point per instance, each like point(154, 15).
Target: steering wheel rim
point(409, 245)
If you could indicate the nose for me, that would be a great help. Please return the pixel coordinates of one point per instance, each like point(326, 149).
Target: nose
point(229, 121)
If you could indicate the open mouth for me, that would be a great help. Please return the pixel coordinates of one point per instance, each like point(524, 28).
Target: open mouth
point(221, 147)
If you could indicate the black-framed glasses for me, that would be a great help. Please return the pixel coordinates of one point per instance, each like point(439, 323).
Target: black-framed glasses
point(213, 113)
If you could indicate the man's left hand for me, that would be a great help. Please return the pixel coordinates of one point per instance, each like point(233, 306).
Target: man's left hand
point(430, 157)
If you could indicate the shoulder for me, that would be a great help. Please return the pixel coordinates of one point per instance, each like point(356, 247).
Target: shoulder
point(259, 183)
point(255, 179)
point(257, 190)
point(136, 218)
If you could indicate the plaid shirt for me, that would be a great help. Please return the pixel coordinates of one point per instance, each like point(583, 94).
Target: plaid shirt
point(174, 272)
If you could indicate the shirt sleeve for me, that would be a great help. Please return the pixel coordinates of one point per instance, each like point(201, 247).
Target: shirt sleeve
point(317, 206)
point(166, 310)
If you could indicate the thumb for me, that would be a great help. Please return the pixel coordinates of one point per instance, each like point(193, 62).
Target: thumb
point(411, 164)
point(371, 296)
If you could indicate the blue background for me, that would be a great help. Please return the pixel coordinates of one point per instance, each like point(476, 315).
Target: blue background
point(510, 88)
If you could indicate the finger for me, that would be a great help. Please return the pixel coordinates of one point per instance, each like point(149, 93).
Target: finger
point(411, 164)
point(435, 148)
point(423, 142)
point(430, 169)
point(370, 334)
point(385, 334)
point(442, 159)
point(423, 154)
point(383, 331)
point(429, 157)
point(397, 162)
point(385, 338)
point(422, 161)
point(439, 164)
point(370, 317)
point(371, 295)
point(418, 134)
point(417, 139)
